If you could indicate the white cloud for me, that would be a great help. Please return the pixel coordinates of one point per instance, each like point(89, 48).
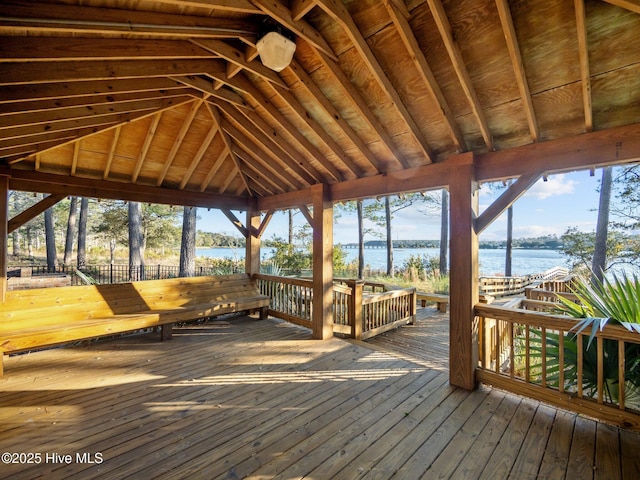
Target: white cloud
point(555, 185)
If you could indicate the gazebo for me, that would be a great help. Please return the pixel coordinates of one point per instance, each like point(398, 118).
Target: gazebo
point(176, 102)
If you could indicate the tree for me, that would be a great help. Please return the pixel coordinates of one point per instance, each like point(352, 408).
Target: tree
point(50, 239)
point(72, 221)
point(136, 241)
point(82, 232)
point(599, 262)
point(188, 246)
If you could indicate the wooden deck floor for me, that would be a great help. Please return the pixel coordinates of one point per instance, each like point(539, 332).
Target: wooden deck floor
point(241, 398)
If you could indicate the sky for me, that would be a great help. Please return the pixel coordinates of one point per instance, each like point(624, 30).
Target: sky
point(548, 208)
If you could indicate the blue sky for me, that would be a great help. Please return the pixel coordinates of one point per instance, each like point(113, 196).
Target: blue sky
point(564, 200)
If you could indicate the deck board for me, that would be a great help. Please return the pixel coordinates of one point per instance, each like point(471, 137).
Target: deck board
point(241, 398)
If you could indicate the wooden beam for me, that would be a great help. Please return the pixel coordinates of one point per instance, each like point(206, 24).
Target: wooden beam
point(446, 33)
point(400, 20)
point(286, 200)
point(613, 146)
point(314, 91)
point(308, 215)
point(322, 314)
point(264, 223)
point(504, 201)
point(29, 181)
point(339, 13)
point(253, 166)
point(252, 243)
point(112, 151)
point(177, 143)
point(238, 58)
point(205, 86)
point(585, 75)
point(69, 19)
point(303, 143)
point(197, 158)
point(215, 167)
point(299, 8)
point(511, 38)
point(142, 156)
point(33, 211)
point(236, 223)
point(46, 72)
point(463, 341)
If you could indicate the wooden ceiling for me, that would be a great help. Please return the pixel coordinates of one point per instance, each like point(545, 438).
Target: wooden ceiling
point(168, 100)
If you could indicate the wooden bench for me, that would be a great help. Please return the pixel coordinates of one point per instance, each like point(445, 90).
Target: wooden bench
point(41, 317)
point(438, 298)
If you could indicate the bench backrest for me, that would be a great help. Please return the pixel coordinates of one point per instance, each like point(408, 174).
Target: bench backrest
point(44, 306)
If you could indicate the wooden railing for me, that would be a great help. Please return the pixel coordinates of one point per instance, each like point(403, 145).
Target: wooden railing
point(360, 309)
point(500, 286)
point(539, 355)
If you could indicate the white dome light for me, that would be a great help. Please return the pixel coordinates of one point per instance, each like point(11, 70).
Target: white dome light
point(276, 51)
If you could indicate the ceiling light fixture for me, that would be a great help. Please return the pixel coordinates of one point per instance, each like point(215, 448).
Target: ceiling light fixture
point(276, 51)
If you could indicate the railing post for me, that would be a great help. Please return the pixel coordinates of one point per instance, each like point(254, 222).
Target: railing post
point(355, 308)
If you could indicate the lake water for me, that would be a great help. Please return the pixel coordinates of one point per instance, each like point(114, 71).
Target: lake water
point(524, 261)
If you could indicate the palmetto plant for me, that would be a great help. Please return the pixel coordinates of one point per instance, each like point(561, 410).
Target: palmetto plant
point(615, 301)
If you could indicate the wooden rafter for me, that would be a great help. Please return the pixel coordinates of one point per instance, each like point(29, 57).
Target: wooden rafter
point(518, 68)
point(254, 158)
point(177, 143)
point(631, 5)
point(277, 151)
point(276, 10)
point(301, 141)
point(336, 118)
point(112, 151)
point(236, 223)
point(112, 21)
point(403, 27)
point(142, 156)
point(583, 52)
point(261, 184)
point(224, 153)
point(299, 8)
point(217, 119)
point(317, 129)
point(205, 86)
point(198, 157)
point(237, 57)
point(339, 13)
point(446, 33)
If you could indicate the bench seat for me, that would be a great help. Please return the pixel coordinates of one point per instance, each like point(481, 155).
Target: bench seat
point(31, 319)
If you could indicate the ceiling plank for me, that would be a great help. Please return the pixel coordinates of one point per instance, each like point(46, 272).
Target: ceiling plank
point(33, 211)
point(336, 118)
point(177, 143)
point(237, 57)
point(339, 13)
point(428, 78)
point(585, 75)
point(278, 118)
point(509, 31)
point(197, 158)
point(69, 19)
point(446, 33)
point(29, 181)
point(142, 156)
point(276, 10)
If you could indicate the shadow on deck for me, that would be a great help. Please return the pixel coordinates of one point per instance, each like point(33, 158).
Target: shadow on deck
point(240, 398)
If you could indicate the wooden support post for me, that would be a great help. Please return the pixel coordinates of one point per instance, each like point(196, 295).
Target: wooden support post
point(463, 349)
point(252, 255)
point(355, 308)
point(166, 332)
point(322, 315)
point(4, 234)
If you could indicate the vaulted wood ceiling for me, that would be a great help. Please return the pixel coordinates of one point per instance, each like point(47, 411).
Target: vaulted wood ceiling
point(169, 100)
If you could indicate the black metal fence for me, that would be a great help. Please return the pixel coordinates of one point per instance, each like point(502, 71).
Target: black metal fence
point(101, 274)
